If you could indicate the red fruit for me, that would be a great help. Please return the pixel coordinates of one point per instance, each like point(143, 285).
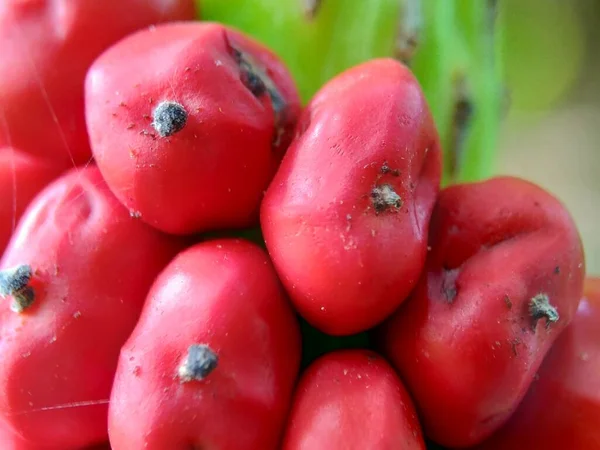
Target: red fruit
point(47, 47)
point(345, 220)
point(352, 399)
point(502, 280)
point(188, 122)
point(22, 176)
point(214, 358)
point(74, 278)
point(105, 446)
point(12, 442)
point(562, 407)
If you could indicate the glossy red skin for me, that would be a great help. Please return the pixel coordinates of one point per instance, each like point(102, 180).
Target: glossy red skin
point(105, 446)
point(352, 400)
point(468, 361)
point(345, 267)
point(10, 441)
point(47, 47)
point(22, 176)
point(93, 266)
point(562, 407)
point(223, 293)
point(211, 174)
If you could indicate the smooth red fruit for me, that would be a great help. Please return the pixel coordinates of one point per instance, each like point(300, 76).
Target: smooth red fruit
point(22, 176)
point(105, 446)
point(345, 219)
point(10, 441)
point(562, 407)
point(219, 305)
point(352, 399)
point(502, 280)
point(188, 123)
point(87, 266)
point(47, 47)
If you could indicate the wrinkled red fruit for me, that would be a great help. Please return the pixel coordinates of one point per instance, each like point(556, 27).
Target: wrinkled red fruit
point(352, 399)
point(345, 219)
point(562, 408)
point(47, 47)
point(22, 176)
point(188, 123)
point(502, 280)
point(73, 281)
point(213, 361)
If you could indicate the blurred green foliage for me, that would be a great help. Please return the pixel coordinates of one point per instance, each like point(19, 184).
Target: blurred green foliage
point(543, 50)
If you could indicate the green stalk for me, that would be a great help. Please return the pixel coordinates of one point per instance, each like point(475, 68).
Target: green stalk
point(477, 20)
point(449, 44)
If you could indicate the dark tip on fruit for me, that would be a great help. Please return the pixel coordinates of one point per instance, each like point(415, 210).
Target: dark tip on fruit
point(449, 286)
point(169, 118)
point(450, 294)
point(199, 362)
point(254, 83)
point(540, 308)
point(384, 197)
point(249, 73)
point(259, 83)
point(311, 8)
point(14, 282)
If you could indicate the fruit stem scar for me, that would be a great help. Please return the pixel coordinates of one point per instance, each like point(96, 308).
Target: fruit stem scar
point(169, 118)
point(384, 197)
point(14, 282)
point(199, 362)
point(540, 307)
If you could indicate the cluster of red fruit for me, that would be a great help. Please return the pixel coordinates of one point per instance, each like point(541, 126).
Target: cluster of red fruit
point(154, 291)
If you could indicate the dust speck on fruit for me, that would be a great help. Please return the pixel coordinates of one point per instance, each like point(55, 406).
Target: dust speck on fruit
point(386, 169)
